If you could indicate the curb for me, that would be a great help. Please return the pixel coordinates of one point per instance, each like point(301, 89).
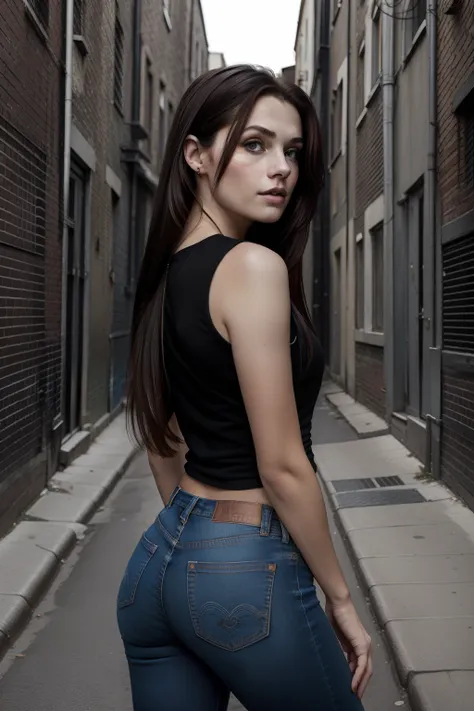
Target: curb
point(359, 418)
point(32, 554)
point(412, 681)
point(366, 586)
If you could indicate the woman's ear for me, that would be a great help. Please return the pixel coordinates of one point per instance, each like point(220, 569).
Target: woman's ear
point(192, 154)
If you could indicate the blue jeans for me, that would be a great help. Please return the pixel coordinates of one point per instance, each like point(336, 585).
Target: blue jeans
point(208, 607)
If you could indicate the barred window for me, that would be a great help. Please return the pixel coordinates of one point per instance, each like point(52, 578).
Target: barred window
point(78, 21)
point(118, 60)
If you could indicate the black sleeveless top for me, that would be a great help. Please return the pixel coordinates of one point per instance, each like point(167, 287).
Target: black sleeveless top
point(204, 387)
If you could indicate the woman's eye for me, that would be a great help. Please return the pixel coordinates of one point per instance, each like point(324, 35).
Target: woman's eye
point(293, 153)
point(254, 146)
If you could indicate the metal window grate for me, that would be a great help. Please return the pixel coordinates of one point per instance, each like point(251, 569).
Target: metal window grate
point(41, 10)
point(23, 174)
point(458, 295)
point(118, 60)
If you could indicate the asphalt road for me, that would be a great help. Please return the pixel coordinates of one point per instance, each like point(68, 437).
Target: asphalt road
point(70, 656)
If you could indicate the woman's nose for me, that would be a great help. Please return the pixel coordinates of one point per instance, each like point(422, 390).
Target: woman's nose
point(279, 166)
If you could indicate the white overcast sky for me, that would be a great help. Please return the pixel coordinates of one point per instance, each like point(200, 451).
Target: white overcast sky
point(254, 31)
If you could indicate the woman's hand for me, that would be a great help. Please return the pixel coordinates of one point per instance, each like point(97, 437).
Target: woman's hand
point(355, 642)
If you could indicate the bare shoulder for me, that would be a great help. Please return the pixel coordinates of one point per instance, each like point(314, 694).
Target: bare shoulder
point(248, 262)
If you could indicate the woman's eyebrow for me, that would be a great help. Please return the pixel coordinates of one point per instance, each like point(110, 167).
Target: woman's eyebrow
point(271, 134)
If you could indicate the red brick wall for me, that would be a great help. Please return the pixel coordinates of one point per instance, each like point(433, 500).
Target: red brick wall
point(455, 64)
point(30, 251)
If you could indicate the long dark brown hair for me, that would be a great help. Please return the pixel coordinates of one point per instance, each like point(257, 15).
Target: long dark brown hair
point(217, 99)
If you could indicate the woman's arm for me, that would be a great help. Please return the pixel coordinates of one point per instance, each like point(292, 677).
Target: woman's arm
point(168, 471)
point(255, 308)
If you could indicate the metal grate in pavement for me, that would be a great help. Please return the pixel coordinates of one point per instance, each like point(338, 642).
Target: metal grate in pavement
point(378, 497)
point(353, 484)
point(388, 481)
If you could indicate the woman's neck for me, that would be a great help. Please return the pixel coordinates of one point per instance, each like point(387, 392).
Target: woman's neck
point(207, 220)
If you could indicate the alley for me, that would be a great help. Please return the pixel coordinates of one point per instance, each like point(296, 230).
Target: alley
point(70, 656)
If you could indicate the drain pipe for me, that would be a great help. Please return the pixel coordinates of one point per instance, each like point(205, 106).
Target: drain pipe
point(67, 115)
point(388, 82)
point(433, 418)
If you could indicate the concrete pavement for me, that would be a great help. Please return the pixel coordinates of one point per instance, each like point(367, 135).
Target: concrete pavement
point(70, 656)
point(32, 554)
point(414, 560)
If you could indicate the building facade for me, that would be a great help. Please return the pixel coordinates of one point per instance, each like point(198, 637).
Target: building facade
point(455, 120)
point(401, 277)
point(84, 117)
point(30, 250)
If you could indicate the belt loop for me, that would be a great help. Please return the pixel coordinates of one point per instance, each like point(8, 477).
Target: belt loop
point(173, 495)
point(186, 513)
point(285, 536)
point(266, 522)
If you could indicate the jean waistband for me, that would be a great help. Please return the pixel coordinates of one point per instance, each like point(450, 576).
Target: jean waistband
point(226, 511)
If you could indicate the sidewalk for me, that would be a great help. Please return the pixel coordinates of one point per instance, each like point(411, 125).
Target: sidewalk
point(31, 555)
point(412, 543)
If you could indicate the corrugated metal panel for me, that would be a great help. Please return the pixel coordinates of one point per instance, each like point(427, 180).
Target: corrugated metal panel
point(458, 295)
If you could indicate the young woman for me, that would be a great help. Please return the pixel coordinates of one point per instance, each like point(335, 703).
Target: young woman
point(225, 370)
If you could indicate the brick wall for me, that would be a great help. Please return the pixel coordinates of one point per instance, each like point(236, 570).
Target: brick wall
point(370, 379)
point(458, 432)
point(455, 65)
point(30, 252)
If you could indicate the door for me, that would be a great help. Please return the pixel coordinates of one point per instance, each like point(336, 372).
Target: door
point(76, 274)
point(417, 331)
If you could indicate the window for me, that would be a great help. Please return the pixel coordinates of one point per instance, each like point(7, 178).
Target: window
point(377, 278)
point(40, 9)
point(162, 124)
point(415, 15)
point(78, 18)
point(336, 120)
point(118, 61)
point(360, 279)
point(148, 103)
point(360, 95)
point(376, 46)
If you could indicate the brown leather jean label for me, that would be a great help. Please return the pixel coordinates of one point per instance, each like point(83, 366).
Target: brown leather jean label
point(248, 512)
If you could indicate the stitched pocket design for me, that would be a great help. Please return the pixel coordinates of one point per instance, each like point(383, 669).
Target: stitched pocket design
point(230, 603)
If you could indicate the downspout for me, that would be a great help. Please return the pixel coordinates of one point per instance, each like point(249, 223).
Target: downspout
point(348, 188)
point(433, 418)
point(388, 82)
point(67, 126)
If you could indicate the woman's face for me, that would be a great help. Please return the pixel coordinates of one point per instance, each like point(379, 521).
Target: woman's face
point(261, 176)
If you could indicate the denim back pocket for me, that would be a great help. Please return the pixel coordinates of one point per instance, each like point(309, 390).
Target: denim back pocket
point(141, 556)
point(230, 603)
